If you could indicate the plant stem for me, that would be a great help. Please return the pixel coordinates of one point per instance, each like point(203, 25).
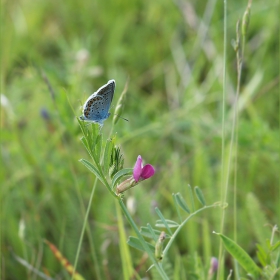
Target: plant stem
point(223, 191)
point(84, 227)
point(143, 242)
point(182, 224)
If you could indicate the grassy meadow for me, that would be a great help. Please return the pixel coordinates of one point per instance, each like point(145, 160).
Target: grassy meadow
point(192, 113)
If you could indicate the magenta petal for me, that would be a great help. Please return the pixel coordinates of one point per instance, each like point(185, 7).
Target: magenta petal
point(147, 171)
point(137, 170)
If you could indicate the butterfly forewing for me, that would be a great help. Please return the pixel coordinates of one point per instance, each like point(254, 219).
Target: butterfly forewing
point(96, 108)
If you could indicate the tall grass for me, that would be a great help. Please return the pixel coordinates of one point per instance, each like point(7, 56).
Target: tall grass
point(55, 54)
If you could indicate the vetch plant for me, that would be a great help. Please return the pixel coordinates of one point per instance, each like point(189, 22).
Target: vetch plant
point(107, 165)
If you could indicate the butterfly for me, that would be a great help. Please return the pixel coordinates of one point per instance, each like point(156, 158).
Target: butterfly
point(96, 108)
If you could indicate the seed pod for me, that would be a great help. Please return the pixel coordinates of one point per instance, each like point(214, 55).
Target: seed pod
point(159, 246)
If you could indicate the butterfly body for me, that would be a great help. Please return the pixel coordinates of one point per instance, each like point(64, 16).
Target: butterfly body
point(96, 107)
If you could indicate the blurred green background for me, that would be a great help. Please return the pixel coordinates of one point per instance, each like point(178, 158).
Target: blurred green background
point(55, 54)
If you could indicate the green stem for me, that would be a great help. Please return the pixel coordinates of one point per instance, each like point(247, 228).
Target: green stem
point(84, 227)
point(143, 242)
point(223, 191)
point(182, 224)
point(93, 157)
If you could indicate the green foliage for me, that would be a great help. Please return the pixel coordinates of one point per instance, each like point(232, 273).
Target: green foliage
point(268, 257)
point(179, 201)
point(199, 195)
point(257, 218)
point(168, 225)
point(241, 256)
point(54, 55)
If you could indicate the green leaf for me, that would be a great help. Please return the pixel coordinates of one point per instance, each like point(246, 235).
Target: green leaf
point(257, 218)
point(151, 233)
point(277, 261)
point(177, 207)
point(262, 256)
point(191, 197)
point(98, 147)
point(135, 243)
point(170, 223)
point(163, 220)
point(107, 156)
point(85, 143)
point(121, 173)
point(92, 168)
point(82, 126)
point(275, 246)
point(199, 195)
point(240, 255)
point(95, 131)
point(182, 203)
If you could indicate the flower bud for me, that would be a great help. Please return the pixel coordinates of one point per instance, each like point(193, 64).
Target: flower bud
point(214, 264)
point(246, 20)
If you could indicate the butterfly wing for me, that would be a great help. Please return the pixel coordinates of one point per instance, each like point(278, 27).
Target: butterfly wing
point(96, 108)
point(107, 93)
point(93, 110)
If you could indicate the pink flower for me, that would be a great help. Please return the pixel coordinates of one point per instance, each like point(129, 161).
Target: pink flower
point(141, 173)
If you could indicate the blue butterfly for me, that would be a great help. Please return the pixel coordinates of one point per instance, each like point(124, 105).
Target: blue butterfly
point(96, 108)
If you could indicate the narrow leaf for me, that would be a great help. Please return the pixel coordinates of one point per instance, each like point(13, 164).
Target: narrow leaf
point(92, 168)
point(257, 218)
point(150, 267)
point(95, 131)
point(240, 255)
point(262, 256)
point(182, 203)
point(32, 269)
point(277, 261)
point(199, 195)
point(153, 232)
point(107, 156)
point(98, 147)
point(170, 223)
point(177, 207)
point(64, 262)
point(84, 141)
point(149, 232)
point(86, 145)
point(135, 243)
point(191, 197)
point(121, 173)
point(163, 220)
point(275, 246)
point(82, 126)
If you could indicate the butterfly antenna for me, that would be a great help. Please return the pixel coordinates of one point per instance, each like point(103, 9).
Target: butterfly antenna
point(121, 117)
